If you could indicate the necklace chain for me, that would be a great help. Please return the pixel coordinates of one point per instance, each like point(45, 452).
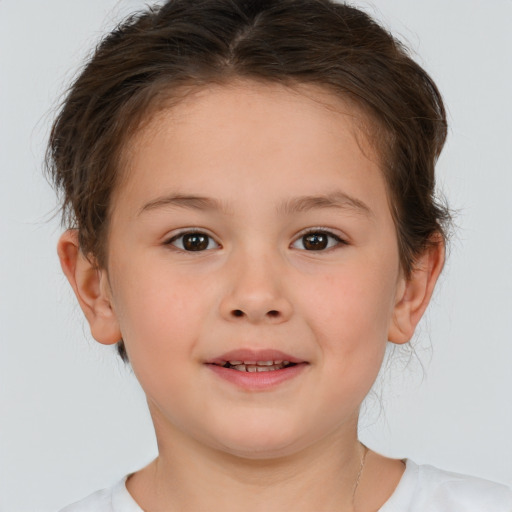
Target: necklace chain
point(360, 472)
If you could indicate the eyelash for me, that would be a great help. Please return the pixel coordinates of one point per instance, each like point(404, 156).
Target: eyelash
point(209, 239)
point(196, 232)
point(321, 231)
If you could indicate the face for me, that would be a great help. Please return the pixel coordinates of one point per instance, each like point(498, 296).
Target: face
point(253, 230)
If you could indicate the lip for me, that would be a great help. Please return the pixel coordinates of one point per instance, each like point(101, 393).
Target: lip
point(256, 381)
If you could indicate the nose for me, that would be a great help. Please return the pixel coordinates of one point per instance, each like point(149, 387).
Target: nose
point(255, 292)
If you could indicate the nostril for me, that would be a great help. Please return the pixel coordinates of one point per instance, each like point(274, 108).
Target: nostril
point(271, 314)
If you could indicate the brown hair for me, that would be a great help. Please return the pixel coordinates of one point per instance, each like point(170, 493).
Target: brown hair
point(194, 42)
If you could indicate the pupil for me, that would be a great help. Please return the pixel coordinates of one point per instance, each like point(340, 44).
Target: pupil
point(195, 242)
point(315, 241)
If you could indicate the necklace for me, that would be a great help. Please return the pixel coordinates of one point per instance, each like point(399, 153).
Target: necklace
point(359, 474)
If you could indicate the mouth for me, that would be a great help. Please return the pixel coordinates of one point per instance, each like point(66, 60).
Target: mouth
point(257, 366)
point(263, 360)
point(258, 370)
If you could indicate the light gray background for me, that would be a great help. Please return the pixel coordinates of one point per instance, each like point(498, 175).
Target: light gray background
point(73, 419)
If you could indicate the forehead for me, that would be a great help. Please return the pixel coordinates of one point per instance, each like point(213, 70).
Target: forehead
point(247, 133)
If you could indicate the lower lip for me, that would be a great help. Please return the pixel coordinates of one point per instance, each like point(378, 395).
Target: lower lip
point(258, 381)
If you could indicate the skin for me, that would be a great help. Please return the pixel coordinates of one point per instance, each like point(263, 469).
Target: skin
point(255, 152)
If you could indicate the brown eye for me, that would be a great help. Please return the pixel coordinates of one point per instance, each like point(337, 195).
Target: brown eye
point(317, 241)
point(193, 241)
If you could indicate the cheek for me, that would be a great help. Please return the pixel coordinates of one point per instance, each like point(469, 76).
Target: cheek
point(355, 298)
point(160, 328)
point(157, 312)
point(352, 336)
point(351, 310)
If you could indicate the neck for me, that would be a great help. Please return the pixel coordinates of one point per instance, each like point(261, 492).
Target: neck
point(188, 476)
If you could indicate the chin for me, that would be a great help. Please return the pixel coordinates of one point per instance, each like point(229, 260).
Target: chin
point(262, 441)
point(261, 452)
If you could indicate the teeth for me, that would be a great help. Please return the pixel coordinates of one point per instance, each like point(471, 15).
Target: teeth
point(259, 363)
point(256, 368)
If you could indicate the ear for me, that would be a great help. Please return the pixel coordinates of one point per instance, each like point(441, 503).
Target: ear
point(415, 292)
point(91, 288)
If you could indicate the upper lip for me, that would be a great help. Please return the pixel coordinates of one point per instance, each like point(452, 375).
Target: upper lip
point(254, 355)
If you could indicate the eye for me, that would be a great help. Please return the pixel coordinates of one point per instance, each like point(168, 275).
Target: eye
point(317, 240)
point(193, 241)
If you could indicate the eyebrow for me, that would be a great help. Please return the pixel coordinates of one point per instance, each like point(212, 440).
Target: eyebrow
point(184, 201)
point(336, 199)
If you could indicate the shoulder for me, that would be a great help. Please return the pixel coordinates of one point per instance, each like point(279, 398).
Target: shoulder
point(428, 489)
point(112, 499)
point(100, 501)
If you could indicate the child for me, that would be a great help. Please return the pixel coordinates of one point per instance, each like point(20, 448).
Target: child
point(250, 186)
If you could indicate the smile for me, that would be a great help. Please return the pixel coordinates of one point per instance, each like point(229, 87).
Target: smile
point(257, 366)
point(257, 370)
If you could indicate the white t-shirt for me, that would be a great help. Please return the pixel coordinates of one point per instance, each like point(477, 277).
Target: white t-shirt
point(421, 489)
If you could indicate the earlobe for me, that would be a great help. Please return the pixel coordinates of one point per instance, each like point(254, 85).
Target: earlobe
point(91, 288)
point(415, 292)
